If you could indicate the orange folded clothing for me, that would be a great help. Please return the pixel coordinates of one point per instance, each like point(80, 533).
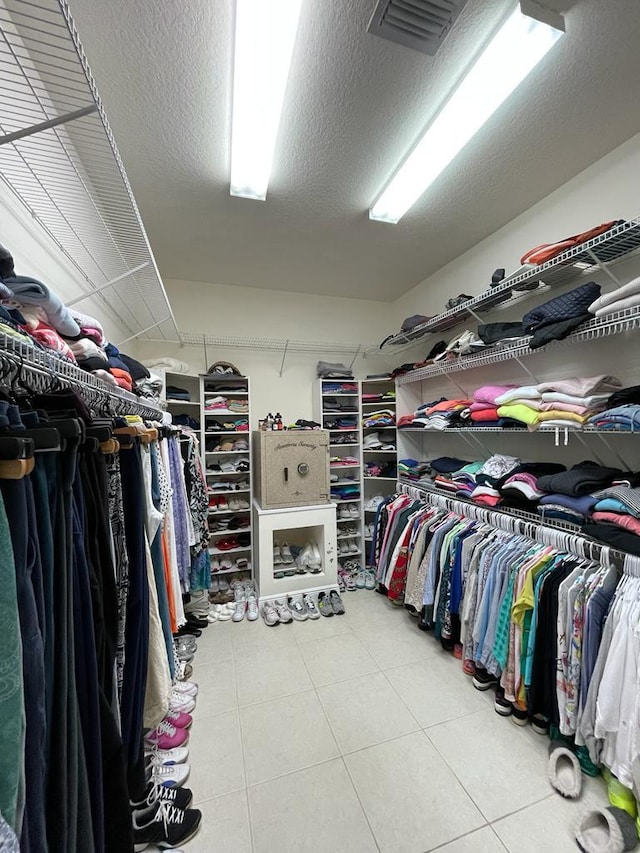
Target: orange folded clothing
point(445, 406)
point(483, 415)
point(123, 378)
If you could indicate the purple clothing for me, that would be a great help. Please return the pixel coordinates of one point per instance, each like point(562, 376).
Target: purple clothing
point(176, 469)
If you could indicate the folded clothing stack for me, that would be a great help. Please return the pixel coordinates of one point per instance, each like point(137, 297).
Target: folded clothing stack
point(378, 469)
point(174, 392)
point(344, 492)
point(374, 442)
point(223, 405)
point(335, 404)
point(343, 422)
point(339, 388)
point(438, 416)
point(627, 296)
point(329, 370)
point(563, 403)
point(380, 418)
point(387, 396)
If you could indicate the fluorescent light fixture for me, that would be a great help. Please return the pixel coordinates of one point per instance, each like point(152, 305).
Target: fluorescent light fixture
point(514, 51)
point(265, 35)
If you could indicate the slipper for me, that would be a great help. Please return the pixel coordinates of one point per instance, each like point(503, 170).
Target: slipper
point(607, 830)
point(564, 770)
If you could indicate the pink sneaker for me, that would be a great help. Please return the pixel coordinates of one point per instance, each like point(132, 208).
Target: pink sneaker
point(179, 719)
point(167, 736)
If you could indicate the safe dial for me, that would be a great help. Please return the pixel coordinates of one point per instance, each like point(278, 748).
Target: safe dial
point(303, 469)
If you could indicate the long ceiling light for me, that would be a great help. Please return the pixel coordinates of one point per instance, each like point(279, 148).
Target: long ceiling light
point(514, 51)
point(265, 35)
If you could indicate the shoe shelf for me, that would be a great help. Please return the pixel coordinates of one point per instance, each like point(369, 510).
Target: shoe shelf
point(388, 434)
point(233, 387)
point(233, 569)
point(229, 532)
point(218, 553)
point(324, 397)
point(572, 266)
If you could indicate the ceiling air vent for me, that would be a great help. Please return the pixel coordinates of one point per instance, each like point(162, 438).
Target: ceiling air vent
point(418, 24)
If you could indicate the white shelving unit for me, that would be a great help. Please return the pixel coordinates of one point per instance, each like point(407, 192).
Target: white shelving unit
point(220, 468)
point(349, 510)
point(372, 399)
point(176, 406)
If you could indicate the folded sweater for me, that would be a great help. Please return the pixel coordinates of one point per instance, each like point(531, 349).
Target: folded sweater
point(632, 288)
point(579, 386)
point(583, 478)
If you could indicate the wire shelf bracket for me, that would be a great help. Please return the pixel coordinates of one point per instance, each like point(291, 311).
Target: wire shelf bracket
point(65, 167)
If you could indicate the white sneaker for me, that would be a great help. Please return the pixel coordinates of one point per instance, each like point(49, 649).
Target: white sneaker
point(240, 610)
point(180, 702)
point(177, 755)
point(252, 607)
point(170, 775)
point(311, 607)
point(297, 608)
point(223, 612)
point(343, 548)
point(353, 546)
point(270, 614)
point(284, 614)
point(287, 556)
point(190, 688)
point(277, 555)
point(354, 511)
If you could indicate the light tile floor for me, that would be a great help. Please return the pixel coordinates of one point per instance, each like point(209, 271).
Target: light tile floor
point(356, 734)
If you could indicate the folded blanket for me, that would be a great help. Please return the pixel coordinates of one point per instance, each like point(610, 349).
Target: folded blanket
point(583, 478)
point(490, 393)
point(84, 348)
point(590, 401)
point(89, 326)
point(628, 522)
point(50, 339)
point(518, 394)
point(29, 291)
point(580, 386)
point(484, 415)
point(519, 412)
point(619, 305)
point(632, 288)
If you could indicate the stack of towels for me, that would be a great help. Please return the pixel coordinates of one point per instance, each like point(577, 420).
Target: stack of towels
point(380, 418)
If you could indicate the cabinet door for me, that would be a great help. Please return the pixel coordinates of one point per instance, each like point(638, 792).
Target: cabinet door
point(298, 471)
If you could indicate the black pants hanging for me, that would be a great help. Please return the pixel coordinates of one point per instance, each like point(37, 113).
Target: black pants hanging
point(137, 627)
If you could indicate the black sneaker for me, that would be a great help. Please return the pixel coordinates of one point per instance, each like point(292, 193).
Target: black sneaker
point(164, 825)
point(194, 622)
point(483, 680)
point(188, 631)
point(502, 705)
point(520, 716)
point(179, 797)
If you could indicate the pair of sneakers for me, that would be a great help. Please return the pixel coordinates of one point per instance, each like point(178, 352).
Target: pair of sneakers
point(162, 817)
point(297, 609)
point(282, 554)
point(330, 604)
point(246, 602)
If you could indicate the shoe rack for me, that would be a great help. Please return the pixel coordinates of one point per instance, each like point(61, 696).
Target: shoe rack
point(345, 461)
point(377, 394)
point(226, 452)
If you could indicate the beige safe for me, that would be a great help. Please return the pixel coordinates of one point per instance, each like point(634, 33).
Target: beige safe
point(291, 468)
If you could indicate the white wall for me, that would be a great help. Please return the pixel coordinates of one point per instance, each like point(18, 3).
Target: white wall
point(247, 312)
point(606, 190)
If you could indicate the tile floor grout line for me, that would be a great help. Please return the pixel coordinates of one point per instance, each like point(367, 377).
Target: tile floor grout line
point(341, 758)
point(392, 686)
point(244, 763)
point(457, 778)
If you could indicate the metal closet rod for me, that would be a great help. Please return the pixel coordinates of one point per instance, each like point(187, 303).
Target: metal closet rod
point(94, 391)
point(541, 530)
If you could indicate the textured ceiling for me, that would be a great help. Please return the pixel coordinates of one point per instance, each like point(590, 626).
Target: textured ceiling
point(354, 104)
